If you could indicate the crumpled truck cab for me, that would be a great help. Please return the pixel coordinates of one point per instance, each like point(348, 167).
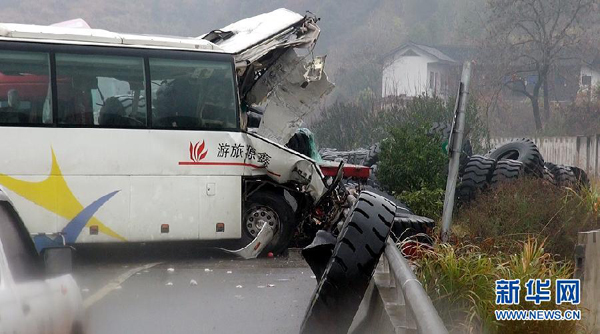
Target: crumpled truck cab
point(280, 84)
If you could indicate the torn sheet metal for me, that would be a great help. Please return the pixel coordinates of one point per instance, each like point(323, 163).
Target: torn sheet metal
point(286, 165)
point(253, 249)
point(270, 70)
point(251, 38)
point(75, 23)
point(290, 94)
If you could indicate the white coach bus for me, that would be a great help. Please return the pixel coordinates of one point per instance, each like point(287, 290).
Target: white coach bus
point(109, 137)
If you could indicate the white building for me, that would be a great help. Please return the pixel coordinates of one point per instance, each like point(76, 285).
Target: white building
point(414, 69)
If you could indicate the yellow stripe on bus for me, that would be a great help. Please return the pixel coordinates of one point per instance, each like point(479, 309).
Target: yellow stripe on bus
point(54, 195)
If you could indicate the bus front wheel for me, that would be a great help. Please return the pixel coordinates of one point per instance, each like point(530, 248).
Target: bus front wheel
point(267, 207)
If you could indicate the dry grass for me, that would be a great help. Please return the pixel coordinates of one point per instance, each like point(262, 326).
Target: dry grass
point(526, 229)
point(531, 207)
point(460, 279)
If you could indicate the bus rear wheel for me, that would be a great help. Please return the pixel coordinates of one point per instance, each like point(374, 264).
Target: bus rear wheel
point(266, 207)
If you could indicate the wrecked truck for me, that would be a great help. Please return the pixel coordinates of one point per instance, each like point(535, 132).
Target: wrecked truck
point(280, 84)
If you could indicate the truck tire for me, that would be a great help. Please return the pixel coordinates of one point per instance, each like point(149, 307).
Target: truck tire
point(372, 157)
point(583, 182)
point(408, 225)
point(272, 208)
point(476, 177)
point(507, 170)
point(563, 175)
point(359, 246)
point(441, 129)
point(523, 150)
point(548, 176)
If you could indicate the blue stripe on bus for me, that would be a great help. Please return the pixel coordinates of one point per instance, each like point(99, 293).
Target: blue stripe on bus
point(76, 225)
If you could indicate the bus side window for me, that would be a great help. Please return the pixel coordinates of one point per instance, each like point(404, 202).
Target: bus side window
point(103, 91)
point(24, 87)
point(193, 94)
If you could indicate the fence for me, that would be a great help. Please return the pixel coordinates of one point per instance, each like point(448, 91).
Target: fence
point(580, 151)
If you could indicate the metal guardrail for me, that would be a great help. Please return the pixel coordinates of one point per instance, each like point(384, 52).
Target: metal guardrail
point(425, 315)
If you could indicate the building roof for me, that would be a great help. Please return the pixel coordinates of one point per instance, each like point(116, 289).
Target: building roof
point(460, 53)
point(570, 56)
point(444, 53)
point(62, 34)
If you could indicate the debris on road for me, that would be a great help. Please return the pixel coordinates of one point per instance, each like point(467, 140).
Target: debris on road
point(170, 270)
point(239, 286)
point(169, 284)
point(193, 282)
point(207, 270)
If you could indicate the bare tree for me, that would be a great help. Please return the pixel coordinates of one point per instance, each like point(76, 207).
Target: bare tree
point(526, 38)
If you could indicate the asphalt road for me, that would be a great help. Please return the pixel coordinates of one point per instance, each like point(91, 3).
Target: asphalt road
point(192, 291)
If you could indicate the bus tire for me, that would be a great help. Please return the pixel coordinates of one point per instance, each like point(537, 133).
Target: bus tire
point(272, 208)
point(357, 251)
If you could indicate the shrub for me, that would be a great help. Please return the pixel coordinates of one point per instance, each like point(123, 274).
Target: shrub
point(514, 211)
point(411, 166)
point(460, 280)
point(412, 163)
point(410, 160)
point(424, 202)
point(366, 120)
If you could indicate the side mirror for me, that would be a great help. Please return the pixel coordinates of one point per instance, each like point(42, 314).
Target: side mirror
point(58, 260)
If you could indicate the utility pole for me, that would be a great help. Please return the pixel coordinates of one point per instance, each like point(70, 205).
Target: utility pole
point(455, 148)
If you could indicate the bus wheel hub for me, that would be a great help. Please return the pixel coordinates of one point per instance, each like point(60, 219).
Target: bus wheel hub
point(258, 217)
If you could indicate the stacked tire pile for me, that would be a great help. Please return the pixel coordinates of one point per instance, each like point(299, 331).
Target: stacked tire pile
point(512, 161)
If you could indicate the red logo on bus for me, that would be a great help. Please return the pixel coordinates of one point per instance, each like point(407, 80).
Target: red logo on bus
point(197, 151)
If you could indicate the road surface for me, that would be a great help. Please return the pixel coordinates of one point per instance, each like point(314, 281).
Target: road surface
point(193, 291)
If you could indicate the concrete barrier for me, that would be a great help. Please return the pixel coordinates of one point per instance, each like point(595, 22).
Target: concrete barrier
point(580, 151)
point(587, 269)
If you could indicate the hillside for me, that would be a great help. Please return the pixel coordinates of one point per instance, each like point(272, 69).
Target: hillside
point(355, 33)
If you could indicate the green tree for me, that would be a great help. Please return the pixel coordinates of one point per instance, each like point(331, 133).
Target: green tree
point(412, 163)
